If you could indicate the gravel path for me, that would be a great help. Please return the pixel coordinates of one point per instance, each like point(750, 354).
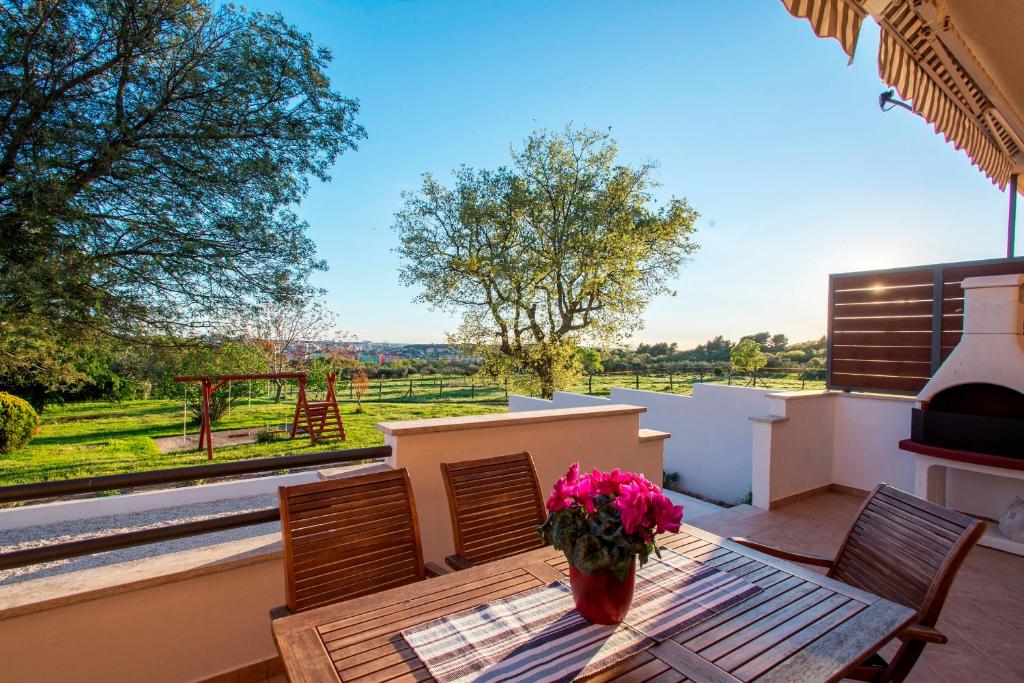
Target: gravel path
point(75, 530)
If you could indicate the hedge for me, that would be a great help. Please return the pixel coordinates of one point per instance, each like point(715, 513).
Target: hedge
point(18, 422)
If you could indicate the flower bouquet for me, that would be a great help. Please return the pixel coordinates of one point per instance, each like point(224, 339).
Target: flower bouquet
point(603, 521)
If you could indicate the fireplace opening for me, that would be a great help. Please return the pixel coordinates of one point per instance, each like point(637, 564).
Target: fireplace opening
point(979, 399)
point(975, 417)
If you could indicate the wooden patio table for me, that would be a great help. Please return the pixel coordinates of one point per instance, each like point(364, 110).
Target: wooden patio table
point(801, 627)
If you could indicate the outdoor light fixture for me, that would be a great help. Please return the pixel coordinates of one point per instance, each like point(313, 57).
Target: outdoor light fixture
point(887, 101)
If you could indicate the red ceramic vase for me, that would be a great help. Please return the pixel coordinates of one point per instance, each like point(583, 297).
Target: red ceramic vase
point(602, 598)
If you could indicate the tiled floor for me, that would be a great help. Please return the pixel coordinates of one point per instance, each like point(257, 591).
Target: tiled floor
point(983, 616)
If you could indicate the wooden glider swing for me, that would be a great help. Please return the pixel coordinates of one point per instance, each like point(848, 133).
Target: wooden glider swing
point(319, 419)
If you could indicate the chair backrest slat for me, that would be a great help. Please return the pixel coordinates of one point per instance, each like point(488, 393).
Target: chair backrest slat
point(349, 536)
point(496, 505)
point(906, 549)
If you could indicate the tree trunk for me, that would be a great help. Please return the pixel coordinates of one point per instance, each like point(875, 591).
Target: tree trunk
point(277, 391)
point(546, 375)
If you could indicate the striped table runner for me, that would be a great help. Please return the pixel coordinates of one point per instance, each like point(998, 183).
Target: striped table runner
point(537, 635)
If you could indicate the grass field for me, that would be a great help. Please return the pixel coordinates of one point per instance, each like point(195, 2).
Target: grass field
point(91, 439)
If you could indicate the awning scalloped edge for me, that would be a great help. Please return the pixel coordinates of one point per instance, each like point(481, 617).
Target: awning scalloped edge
point(901, 71)
point(830, 19)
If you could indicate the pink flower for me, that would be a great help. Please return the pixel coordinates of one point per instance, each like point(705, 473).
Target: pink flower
point(667, 517)
point(566, 488)
point(632, 503)
point(585, 494)
point(643, 508)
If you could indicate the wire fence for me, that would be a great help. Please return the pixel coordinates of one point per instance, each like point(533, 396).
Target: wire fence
point(473, 389)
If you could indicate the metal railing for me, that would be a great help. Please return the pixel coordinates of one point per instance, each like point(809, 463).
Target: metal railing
point(88, 546)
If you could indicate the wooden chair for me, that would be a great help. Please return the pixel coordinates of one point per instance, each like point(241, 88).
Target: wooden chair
point(496, 506)
point(904, 549)
point(347, 537)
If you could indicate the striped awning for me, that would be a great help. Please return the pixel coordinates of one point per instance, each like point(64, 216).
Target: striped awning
point(831, 19)
point(898, 67)
point(925, 59)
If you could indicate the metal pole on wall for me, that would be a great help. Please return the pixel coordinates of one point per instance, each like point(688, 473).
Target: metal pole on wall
point(1011, 221)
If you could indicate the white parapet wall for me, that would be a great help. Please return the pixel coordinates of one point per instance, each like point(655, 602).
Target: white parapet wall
point(711, 436)
point(812, 441)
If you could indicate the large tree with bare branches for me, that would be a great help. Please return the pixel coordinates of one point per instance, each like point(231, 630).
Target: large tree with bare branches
point(149, 153)
point(565, 246)
point(278, 330)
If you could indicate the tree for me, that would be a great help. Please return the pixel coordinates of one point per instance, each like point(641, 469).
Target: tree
point(218, 358)
point(565, 247)
point(150, 151)
point(277, 329)
point(360, 383)
point(778, 343)
point(589, 360)
point(762, 339)
point(747, 356)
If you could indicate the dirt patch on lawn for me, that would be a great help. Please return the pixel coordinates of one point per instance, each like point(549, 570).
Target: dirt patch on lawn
point(222, 438)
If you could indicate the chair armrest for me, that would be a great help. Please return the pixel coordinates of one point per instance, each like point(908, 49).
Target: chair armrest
point(433, 570)
point(783, 554)
point(457, 562)
point(925, 634)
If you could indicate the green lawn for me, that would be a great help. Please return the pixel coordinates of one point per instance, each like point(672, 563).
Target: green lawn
point(90, 439)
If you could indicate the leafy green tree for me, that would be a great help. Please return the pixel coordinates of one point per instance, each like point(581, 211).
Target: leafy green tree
point(763, 339)
point(224, 358)
point(564, 248)
point(589, 360)
point(150, 154)
point(747, 356)
point(778, 343)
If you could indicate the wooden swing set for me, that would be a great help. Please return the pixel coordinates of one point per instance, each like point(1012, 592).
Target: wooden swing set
point(319, 419)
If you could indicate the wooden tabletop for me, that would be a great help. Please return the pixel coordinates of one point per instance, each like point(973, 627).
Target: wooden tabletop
point(801, 627)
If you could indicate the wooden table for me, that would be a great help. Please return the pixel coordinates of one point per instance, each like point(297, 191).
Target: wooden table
point(801, 627)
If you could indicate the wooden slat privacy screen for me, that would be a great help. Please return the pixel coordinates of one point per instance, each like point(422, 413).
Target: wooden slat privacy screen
point(890, 330)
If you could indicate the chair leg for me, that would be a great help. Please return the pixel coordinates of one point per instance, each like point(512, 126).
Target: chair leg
point(903, 661)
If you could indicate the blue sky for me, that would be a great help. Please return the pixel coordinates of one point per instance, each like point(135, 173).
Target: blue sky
point(758, 123)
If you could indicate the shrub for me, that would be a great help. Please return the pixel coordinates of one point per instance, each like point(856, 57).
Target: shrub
point(267, 436)
point(18, 421)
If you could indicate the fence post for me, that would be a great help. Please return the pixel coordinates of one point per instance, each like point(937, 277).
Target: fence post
point(590, 384)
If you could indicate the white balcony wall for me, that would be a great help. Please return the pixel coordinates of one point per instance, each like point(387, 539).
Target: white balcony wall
point(813, 440)
point(711, 436)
